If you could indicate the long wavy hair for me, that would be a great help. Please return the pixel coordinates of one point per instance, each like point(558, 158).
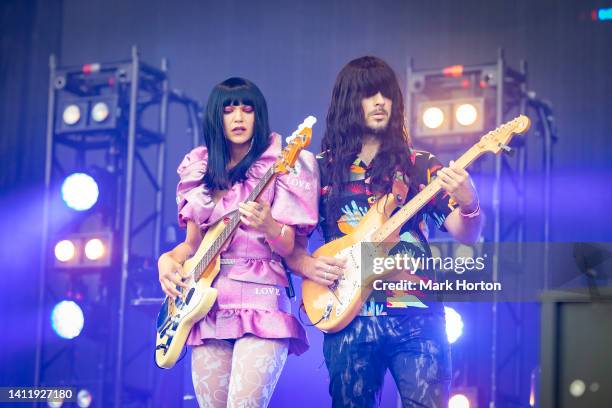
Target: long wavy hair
point(233, 91)
point(346, 127)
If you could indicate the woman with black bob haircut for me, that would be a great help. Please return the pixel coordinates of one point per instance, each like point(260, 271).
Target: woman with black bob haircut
point(239, 349)
point(233, 92)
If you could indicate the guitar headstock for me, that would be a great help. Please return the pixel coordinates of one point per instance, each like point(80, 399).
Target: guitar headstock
point(498, 139)
point(299, 139)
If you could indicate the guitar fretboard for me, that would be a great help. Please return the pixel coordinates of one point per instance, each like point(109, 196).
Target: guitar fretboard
point(231, 225)
point(422, 198)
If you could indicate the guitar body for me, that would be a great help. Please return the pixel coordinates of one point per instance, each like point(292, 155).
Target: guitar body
point(178, 315)
point(332, 309)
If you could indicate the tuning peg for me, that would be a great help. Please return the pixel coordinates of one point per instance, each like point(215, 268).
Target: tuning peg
point(506, 148)
point(310, 121)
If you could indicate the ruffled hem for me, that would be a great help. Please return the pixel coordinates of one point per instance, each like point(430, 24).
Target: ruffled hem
point(226, 324)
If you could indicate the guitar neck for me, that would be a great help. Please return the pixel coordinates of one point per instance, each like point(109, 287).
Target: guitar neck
point(422, 198)
point(232, 225)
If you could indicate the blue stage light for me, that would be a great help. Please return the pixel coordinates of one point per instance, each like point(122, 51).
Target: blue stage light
point(604, 14)
point(84, 398)
point(454, 324)
point(80, 191)
point(67, 319)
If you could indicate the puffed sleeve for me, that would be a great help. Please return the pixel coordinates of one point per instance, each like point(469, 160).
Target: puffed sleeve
point(192, 197)
point(296, 195)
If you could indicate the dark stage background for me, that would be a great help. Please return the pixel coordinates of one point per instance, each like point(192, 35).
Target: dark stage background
point(293, 51)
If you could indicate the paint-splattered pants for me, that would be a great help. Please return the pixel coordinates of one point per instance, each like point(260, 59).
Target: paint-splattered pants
point(413, 347)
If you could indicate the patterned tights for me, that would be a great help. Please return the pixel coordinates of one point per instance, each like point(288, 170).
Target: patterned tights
point(242, 374)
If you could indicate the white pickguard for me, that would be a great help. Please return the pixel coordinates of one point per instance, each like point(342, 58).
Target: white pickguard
point(350, 284)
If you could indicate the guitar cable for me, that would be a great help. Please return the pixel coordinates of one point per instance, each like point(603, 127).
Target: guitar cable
point(302, 321)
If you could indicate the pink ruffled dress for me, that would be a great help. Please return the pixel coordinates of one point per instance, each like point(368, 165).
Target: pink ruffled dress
point(251, 284)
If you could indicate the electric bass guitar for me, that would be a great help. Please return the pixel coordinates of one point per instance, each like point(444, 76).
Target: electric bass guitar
point(178, 314)
point(332, 308)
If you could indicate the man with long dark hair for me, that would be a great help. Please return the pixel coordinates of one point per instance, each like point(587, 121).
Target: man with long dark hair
point(366, 154)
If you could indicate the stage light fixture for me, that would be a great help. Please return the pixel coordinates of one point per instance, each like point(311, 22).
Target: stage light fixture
point(84, 398)
point(454, 324)
point(67, 319)
point(91, 114)
point(466, 114)
point(55, 403)
point(449, 117)
point(71, 115)
point(433, 117)
point(100, 112)
point(459, 401)
point(65, 250)
point(84, 250)
point(604, 14)
point(95, 249)
point(80, 191)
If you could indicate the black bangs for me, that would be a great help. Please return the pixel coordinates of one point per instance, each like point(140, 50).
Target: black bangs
point(371, 77)
point(238, 91)
point(237, 102)
point(377, 80)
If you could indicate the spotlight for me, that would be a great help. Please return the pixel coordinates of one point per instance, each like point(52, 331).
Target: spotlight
point(454, 324)
point(71, 115)
point(466, 114)
point(86, 115)
point(85, 250)
point(55, 403)
point(100, 112)
point(94, 249)
point(64, 250)
point(459, 401)
point(80, 191)
point(67, 319)
point(84, 398)
point(450, 117)
point(433, 117)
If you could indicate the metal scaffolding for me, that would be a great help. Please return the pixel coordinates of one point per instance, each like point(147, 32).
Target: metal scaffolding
point(139, 95)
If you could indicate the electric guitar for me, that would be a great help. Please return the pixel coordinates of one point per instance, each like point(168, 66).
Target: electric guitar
point(178, 314)
point(332, 308)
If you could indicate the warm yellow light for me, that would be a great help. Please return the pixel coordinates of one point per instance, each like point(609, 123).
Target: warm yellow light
point(433, 117)
point(100, 112)
point(94, 249)
point(466, 114)
point(64, 250)
point(71, 115)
